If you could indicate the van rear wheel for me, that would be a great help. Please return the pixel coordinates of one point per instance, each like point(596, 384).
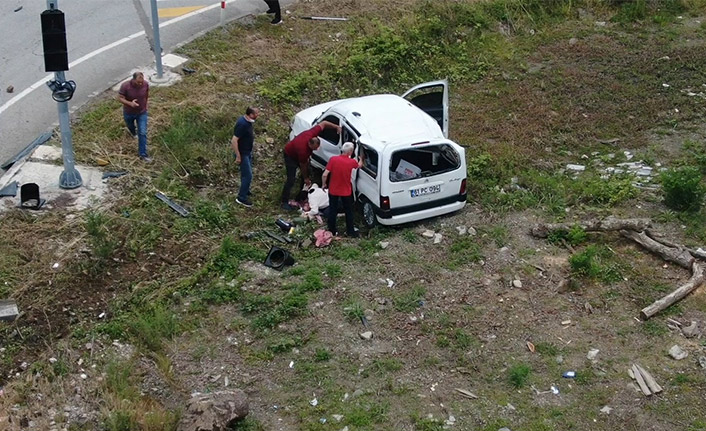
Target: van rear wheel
point(369, 217)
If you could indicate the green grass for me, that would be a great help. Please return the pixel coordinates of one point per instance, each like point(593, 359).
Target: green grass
point(518, 375)
point(410, 299)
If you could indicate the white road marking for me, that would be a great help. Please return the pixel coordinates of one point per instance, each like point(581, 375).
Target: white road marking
point(90, 55)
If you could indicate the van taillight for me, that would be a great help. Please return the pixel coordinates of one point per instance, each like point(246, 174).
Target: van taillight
point(384, 203)
point(463, 187)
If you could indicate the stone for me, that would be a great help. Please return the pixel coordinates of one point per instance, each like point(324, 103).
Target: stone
point(437, 238)
point(692, 330)
point(428, 234)
point(461, 230)
point(367, 335)
point(10, 89)
point(677, 353)
point(591, 356)
point(384, 244)
point(702, 361)
point(517, 284)
point(472, 231)
point(559, 359)
point(606, 410)
point(504, 429)
point(573, 41)
point(575, 168)
point(216, 411)
point(338, 418)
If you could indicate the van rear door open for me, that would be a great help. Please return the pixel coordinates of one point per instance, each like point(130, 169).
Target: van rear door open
point(432, 98)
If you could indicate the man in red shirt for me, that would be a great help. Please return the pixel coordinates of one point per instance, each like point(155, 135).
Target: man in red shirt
point(340, 188)
point(296, 156)
point(133, 94)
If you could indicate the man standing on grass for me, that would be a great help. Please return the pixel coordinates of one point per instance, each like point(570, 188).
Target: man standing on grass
point(133, 94)
point(242, 145)
point(340, 188)
point(274, 8)
point(296, 156)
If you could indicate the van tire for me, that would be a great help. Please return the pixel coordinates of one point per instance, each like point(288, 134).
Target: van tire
point(368, 212)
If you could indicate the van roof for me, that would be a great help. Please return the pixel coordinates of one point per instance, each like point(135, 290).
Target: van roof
point(388, 119)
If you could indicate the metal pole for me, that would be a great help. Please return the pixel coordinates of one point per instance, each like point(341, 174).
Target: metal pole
point(157, 44)
point(223, 15)
point(70, 178)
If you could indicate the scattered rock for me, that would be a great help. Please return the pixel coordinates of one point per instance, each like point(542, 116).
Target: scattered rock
point(504, 429)
point(384, 244)
point(559, 359)
point(367, 335)
point(691, 331)
point(573, 41)
point(357, 393)
point(437, 238)
point(215, 411)
point(575, 168)
point(591, 356)
point(516, 283)
point(428, 234)
point(270, 140)
point(306, 243)
point(461, 230)
point(677, 353)
point(10, 89)
point(588, 307)
point(606, 410)
point(338, 418)
point(472, 231)
point(564, 286)
point(702, 361)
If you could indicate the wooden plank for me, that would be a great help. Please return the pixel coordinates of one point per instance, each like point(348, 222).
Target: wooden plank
point(8, 310)
point(649, 380)
point(640, 381)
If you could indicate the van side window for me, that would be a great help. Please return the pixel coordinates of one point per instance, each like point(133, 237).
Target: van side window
point(331, 135)
point(370, 164)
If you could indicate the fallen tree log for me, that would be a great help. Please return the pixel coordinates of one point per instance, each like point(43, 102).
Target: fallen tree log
point(678, 255)
point(697, 278)
point(542, 230)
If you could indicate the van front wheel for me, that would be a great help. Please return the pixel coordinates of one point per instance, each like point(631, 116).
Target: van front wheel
point(369, 217)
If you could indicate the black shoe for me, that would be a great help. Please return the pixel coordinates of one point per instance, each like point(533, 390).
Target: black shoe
point(276, 21)
point(353, 235)
point(245, 203)
point(270, 10)
point(285, 206)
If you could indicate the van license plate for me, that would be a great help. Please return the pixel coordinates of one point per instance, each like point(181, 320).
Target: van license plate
point(428, 190)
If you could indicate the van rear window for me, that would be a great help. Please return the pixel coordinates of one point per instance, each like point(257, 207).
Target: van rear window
point(420, 162)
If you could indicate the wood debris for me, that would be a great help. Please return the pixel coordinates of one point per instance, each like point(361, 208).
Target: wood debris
point(648, 385)
point(467, 394)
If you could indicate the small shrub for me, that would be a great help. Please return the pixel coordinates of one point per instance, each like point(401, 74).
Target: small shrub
point(574, 236)
point(410, 300)
point(682, 188)
point(321, 355)
point(519, 375)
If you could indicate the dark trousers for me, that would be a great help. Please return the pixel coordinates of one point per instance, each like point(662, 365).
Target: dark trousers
point(274, 7)
point(347, 202)
point(291, 166)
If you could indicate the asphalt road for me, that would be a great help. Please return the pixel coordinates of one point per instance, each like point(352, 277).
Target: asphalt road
point(105, 41)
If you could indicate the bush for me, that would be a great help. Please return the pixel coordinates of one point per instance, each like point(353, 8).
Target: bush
point(682, 188)
point(519, 374)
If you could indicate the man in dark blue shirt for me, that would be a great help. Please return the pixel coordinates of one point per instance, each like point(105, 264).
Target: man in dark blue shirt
point(242, 145)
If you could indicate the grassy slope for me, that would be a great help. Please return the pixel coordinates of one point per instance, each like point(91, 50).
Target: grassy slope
point(526, 99)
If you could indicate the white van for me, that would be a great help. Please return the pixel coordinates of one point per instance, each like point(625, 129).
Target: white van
point(412, 171)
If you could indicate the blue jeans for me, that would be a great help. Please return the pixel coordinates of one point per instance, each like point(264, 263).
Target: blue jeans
point(245, 176)
point(141, 132)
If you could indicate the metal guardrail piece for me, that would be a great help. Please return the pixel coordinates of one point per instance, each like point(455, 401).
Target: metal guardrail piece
point(176, 207)
point(44, 137)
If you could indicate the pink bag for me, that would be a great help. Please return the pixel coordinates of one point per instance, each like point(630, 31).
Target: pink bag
point(323, 237)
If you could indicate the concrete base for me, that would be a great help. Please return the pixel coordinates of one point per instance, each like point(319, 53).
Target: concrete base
point(46, 175)
point(168, 77)
point(173, 61)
